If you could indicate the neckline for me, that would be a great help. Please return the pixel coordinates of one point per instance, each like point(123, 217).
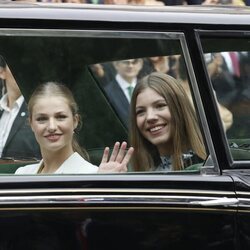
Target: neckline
point(40, 169)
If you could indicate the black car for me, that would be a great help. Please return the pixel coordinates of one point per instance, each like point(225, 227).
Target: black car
point(205, 206)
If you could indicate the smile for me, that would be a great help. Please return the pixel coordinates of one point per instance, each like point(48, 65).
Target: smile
point(156, 129)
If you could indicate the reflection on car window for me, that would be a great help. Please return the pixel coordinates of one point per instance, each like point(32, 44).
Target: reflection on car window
point(102, 82)
point(229, 73)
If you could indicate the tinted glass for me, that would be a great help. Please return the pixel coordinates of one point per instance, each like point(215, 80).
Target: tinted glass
point(228, 62)
point(84, 61)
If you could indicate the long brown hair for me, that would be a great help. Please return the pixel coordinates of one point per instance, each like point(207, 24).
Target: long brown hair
point(185, 130)
point(57, 89)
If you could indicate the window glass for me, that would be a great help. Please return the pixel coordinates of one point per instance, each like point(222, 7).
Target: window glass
point(228, 65)
point(89, 63)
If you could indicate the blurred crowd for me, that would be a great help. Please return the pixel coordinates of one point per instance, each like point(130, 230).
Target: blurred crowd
point(152, 2)
point(229, 73)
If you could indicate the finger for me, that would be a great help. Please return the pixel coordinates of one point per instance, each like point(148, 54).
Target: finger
point(115, 151)
point(128, 156)
point(105, 155)
point(122, 152)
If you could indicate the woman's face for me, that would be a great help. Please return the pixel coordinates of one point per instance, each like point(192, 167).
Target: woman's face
point(153, 119)
point(53, 124)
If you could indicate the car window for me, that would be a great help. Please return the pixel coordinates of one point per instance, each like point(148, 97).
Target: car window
point(227, 60)
point(87, 62)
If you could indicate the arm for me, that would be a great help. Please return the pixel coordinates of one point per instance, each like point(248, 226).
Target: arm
point(226, 116)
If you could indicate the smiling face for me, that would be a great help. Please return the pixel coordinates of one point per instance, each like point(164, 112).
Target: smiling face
point(53, 124)
point(153, 119)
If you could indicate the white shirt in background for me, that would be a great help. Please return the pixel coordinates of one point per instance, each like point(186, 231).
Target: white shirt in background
point(124, 85)
point(7, 119)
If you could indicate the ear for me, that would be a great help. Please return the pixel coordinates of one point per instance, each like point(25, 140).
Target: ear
point(76, 120)
point(115, 63)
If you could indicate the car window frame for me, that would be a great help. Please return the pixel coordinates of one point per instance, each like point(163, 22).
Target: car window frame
point(218, 34)
point(208, 168)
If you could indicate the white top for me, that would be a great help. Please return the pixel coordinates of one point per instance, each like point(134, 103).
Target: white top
point(124, 85)
point(7, 119)
point(75, 164)
point(228, 61)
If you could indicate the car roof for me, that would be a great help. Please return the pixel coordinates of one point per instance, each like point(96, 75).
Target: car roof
point(219, 14)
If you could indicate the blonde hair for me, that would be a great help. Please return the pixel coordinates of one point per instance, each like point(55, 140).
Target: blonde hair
point(185, 130)
point(57, 89)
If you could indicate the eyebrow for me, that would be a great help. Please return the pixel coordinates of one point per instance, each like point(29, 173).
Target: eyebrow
point(57, 113)
point(155, 102)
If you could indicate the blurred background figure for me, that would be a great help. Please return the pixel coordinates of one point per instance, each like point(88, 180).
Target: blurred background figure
point(163, 64)
point(224, 81)
point(120, 89)
point(225, 113)
point(245, 73)
point(17, 140)
point(103, 72)
point(122, 2)
point(134, 2)
point(145, 2)
point(224, 2)
point(182, 2)
point(61, 1)
point(229, 72)
point(155, 64)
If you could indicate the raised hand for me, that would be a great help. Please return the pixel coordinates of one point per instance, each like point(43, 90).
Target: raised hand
point(118, 160)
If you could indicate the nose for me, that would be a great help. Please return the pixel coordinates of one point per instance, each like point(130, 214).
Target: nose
point(151, 115)
point(130, 63)
point(52, 125)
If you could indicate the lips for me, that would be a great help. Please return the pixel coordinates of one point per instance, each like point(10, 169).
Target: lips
point(53, 137)
point(156, 129)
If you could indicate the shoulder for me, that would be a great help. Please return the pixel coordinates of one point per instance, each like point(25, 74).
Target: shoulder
point(112, 85)
point(28, 169)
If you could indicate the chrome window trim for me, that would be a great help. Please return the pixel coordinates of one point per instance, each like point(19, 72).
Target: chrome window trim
point(191, 201)
point(90, 33)
point(120, 191)
point(200, 107)
point(179, 198)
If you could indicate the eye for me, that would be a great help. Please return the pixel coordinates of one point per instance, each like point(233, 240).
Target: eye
point(161, 105)
point(41, 119)
point(140, 112)
point(61, 117)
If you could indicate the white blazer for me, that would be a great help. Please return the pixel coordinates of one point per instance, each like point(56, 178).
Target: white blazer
point(75, 164)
